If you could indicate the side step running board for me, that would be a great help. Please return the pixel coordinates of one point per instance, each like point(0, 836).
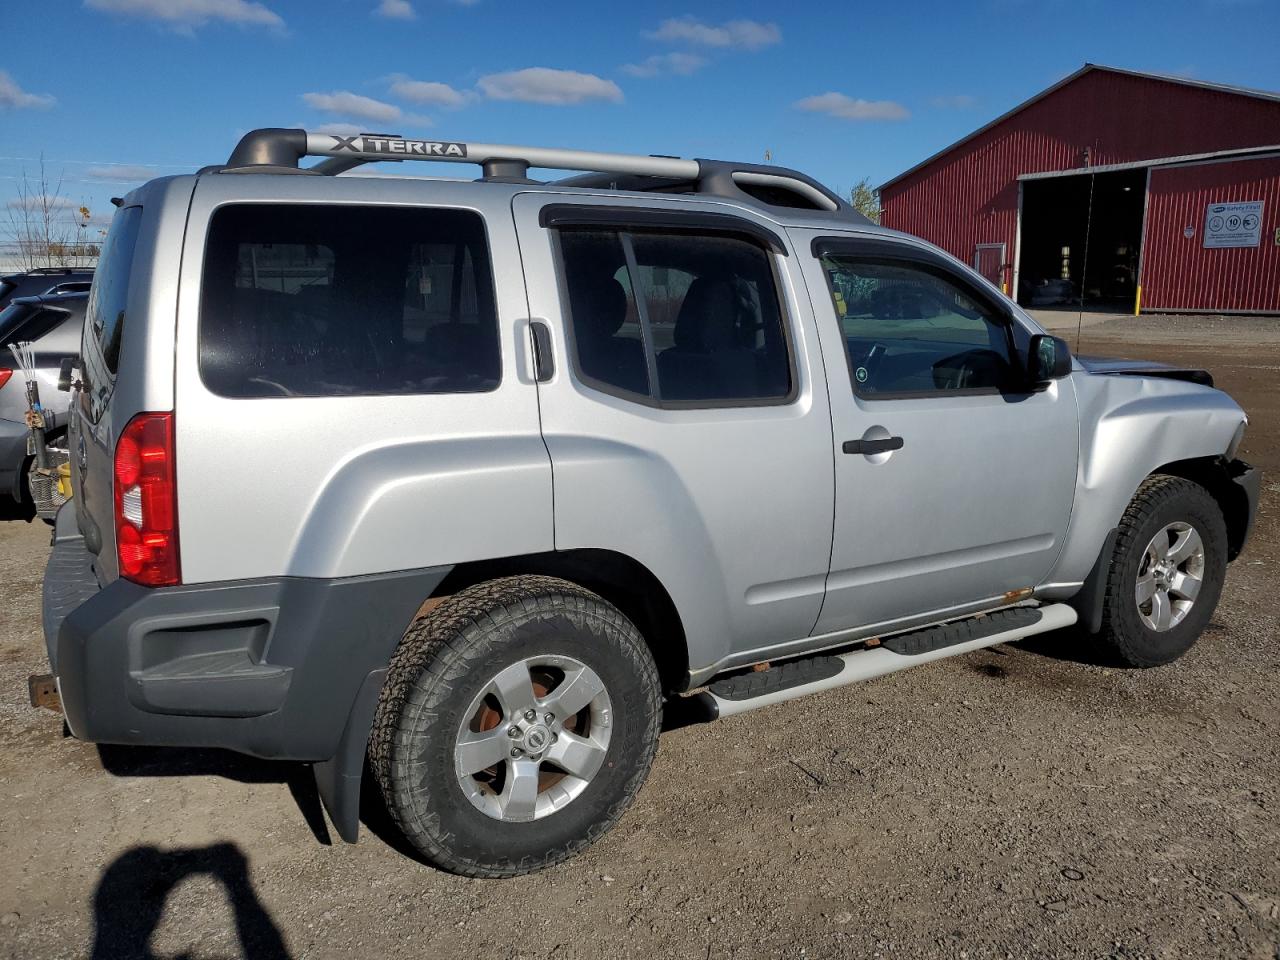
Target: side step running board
point(797, 678)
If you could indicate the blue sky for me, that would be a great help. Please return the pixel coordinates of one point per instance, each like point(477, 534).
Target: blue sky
point(112, 90)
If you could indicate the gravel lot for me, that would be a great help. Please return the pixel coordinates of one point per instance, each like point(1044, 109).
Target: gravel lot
point(1021, 801)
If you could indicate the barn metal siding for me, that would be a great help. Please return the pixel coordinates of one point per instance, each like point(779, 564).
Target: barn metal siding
point(1178, 273)
point(969, 195)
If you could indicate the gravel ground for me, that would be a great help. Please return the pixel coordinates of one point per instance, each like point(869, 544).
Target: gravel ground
point(1022, 801)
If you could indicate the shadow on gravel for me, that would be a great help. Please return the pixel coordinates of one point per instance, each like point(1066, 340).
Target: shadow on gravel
point(130, 900)
point(183, 762)
point(1073, 645)
point(11, 510)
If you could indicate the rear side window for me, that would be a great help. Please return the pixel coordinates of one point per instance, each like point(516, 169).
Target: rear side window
point(675, 318)
point(316, 301)
point(22, 323)
point(109, 295)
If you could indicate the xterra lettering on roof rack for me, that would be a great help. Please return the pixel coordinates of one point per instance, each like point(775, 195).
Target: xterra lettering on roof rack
point(276, 150)
point(397, 146)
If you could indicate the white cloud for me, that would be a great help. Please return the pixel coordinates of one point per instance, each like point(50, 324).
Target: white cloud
point(121, 172)
point(954, 101)
point(185, 15)
point(13, 96)
point(427, 91)
point(37, 202)
point(395, 10)
point(848, 108)
point(544, 85)
point(740, 34)
point(344, 103)
point(335, 129)
point(661, 64)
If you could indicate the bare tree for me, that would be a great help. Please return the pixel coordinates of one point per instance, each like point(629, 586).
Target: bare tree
point(42, 228)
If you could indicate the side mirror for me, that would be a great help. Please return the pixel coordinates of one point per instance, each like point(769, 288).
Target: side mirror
point(66, 373)
point(1048, 358)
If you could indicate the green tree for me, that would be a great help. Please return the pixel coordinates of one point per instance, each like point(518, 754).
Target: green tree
point(866, 199)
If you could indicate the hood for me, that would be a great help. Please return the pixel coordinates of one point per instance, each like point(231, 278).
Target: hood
point(1143, 368)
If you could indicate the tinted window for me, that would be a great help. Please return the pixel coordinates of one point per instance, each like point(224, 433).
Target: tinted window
point(22, 323)
point(308, 301)
point(675, 317)
point(910, 330)
point(108, 297)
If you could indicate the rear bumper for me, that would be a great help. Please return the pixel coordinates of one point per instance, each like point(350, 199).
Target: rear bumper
point(265, 667)
point(13, 453)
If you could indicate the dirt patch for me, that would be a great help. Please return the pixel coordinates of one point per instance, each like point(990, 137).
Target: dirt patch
point(1022, 801)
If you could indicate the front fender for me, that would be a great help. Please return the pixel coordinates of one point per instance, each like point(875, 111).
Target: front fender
point(1130, 426)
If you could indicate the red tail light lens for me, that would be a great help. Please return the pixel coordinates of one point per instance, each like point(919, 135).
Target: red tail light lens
point(146, 499)
point(4, 376)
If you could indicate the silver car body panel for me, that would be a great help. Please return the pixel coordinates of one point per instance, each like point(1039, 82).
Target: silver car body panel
point(729, 507)
point(768, 540)
point(344, 486)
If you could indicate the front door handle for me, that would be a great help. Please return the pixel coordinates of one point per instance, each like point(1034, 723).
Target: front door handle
point(869, 447)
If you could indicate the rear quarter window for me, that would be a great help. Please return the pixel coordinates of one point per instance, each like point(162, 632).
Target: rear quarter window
point(109, 294)
point(315, 301)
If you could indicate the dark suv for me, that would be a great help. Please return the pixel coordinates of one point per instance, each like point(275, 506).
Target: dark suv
point(43, 281)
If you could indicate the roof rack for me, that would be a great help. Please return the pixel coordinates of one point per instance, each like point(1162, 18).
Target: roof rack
point(57, 271)
point(278, 150)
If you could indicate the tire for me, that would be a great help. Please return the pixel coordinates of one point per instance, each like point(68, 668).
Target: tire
point(452, 659)
point(1167, 506)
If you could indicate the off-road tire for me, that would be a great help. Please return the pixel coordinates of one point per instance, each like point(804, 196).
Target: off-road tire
point(446, 657)
point(1160, 500)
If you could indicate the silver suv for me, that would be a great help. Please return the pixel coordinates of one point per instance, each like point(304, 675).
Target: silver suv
point(475, 479)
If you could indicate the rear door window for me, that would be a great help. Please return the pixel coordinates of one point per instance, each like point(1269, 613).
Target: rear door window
point(314, 301)
point(676, 318)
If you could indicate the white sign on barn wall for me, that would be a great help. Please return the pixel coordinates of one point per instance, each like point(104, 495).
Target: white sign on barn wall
point(1233, 224)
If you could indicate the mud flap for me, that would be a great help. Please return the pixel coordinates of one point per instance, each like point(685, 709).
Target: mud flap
point(338, 778)
point(1088, 602)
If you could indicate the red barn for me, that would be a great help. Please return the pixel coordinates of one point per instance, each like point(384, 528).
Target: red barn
point(1131, 189)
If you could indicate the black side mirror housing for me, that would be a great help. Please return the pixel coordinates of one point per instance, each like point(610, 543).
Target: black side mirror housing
point(66, 373)
point(1048, 358)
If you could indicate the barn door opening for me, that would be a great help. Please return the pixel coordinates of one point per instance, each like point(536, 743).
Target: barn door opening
point(1081, 240)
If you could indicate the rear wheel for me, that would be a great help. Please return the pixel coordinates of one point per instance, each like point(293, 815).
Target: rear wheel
point(517, 723)
point(1167, 572)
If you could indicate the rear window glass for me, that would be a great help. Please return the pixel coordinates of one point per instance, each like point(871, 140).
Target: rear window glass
point(23, 323)
point(109, 295)
point(313, 301)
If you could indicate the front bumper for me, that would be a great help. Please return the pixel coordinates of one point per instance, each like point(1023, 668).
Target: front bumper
point(265, 667)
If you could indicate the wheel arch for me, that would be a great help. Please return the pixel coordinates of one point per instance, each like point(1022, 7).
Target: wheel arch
point(1216, 476)
point(621, 580)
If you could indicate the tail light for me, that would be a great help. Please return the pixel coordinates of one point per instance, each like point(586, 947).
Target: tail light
point(146, 499)
point(4, 376)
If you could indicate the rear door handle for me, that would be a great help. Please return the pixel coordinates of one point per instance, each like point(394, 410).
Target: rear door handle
point(872, 446)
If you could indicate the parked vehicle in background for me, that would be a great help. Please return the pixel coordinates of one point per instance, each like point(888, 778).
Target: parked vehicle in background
point(44, 281)
point(52, 325)
point(471, 477)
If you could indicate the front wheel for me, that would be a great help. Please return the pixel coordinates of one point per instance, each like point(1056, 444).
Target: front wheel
point(1167, 572)
point(517, 723)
